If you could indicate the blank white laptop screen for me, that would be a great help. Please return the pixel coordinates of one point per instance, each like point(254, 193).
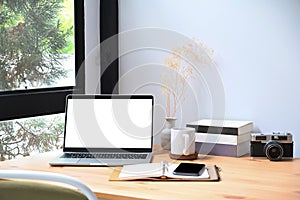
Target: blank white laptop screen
point(108, 123)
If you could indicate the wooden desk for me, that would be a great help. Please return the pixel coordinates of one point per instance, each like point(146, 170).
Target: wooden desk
point(242, 178)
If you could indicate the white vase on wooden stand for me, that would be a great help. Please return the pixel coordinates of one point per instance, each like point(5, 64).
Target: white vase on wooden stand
point(166, 133)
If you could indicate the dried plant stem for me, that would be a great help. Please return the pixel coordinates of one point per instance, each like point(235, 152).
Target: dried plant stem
point(175, 80)
point(168, 105)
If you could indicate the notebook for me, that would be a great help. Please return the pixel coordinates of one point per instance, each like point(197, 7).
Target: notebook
point(161, 172)
point(107, 130)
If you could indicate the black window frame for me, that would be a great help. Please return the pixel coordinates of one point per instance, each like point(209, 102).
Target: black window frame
point(36, 102)
point(109, 27)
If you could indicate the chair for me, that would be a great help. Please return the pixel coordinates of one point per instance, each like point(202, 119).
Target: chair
point(12, 188)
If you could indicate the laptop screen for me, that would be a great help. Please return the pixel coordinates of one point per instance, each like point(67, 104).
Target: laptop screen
point(121, 121)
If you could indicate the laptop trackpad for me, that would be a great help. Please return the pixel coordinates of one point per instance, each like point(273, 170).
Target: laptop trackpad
point(64, 161)
point(91, 161)
point(71, 160)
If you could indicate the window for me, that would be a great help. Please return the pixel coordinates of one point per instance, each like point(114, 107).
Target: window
point(41, 50)
point(26, 88)
point(37, 48)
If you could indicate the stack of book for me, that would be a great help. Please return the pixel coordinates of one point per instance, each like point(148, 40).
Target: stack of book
point(222, 137)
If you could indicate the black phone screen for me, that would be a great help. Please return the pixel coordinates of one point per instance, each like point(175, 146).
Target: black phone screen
point(189, 169)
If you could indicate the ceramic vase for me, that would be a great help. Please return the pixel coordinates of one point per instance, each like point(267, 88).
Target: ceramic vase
point(166, 133)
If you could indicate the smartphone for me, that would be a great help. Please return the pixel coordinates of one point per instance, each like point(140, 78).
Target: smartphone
point(189, 169)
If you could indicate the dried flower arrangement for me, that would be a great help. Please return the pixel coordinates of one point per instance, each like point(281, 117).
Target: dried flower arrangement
point(179, 71)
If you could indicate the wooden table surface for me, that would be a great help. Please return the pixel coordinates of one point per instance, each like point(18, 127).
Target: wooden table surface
point(242, 178)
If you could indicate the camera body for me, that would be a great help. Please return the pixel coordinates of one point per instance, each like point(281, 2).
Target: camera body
point(274, 146)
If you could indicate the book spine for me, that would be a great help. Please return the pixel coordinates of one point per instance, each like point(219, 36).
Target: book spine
point(215, 130)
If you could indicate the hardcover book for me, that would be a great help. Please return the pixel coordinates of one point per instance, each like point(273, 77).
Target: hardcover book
point(223, 149)
point(226, 127)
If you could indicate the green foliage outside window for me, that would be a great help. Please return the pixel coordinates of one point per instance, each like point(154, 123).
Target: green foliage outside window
point(33, 42)
point(22, 137)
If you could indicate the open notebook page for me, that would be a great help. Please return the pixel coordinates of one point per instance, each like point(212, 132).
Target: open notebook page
point(146, 170)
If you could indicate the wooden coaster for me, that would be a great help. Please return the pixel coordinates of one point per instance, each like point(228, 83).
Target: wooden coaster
point(184, 157)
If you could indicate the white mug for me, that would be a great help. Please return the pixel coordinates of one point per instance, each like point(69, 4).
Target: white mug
point(182, 141)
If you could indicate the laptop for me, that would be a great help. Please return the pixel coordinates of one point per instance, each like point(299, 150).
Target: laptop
point(107, 130)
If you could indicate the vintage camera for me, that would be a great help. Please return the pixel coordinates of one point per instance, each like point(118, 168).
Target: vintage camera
point(274, 146)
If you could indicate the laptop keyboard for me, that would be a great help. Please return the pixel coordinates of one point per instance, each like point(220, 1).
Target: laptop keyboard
point(107, 155)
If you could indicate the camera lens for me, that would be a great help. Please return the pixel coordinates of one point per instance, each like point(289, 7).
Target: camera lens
point(273, 150)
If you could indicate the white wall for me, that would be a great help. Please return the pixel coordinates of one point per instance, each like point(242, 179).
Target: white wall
point(257, 48)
